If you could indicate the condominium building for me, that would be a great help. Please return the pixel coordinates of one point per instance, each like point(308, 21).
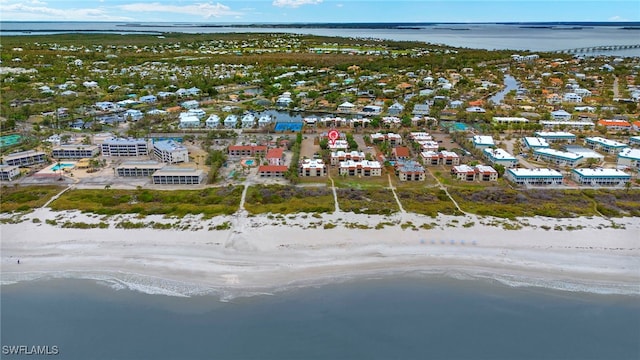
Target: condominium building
point(25, 158)
point(312, 167)
point(482, 141)
point(139, 168)
point(360, 168)
point(409, 170)
point(629, 158)
point(9, 172)
point(170, 152)
point(522, 176)
point(556, 136)
point(75, 151)
point(120, 147)
point(500, 157)
point(440, 158)
point(178, 176)
point(600, 177)
point(556, 157)
point(604, 145)
point(272, 170)
point(339, 156)
point(247, 150)
point(535, 142)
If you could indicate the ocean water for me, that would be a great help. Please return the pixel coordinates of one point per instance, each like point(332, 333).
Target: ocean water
point(400, 318)
point(476, 36)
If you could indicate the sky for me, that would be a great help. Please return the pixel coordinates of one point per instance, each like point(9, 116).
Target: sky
point(319, 11)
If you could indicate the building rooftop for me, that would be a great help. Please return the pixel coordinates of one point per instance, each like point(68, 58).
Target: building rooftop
point(124, 141)
point(521, 172)
point(562, 154)
point(601, 172)
point(606, 142)
point(584, 152)
point(483, 140)
point(499, 154)
point(630, 153)
point(142, 164)
point(23, 154)
point(536, 142)
point(554, 134)
point(178, 171)
point(169, 145)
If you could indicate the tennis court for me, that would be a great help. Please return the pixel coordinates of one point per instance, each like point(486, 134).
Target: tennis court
point(9, 140)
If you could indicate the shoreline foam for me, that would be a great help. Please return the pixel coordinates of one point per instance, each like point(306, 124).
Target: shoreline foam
point(269, 254)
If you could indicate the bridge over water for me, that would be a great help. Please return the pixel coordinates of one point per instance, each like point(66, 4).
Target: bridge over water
point(589, 49)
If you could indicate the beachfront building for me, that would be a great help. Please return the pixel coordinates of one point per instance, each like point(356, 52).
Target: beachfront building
point(499, 156)
point(360, 168)
point(409, 171)
point(139, 168)
point(523, 176)
point(604, 145)
point(120, 147)
point(482, 141)
point(463, 172)
point(600, 177)
point(629, 158)
point(440, 158)
point(178, 176)
point(9, 172)
point(509, 120)
point(634, 141)
point(486, 173)
point(247, 150)
point(275, 156)
point(535, 142)
point(556, 136)
point(75, 151)
point(170, 152)
point(272, 170)
point(312, 167)
point(556, 157)
point(479, 173)
point(339, 156)
point(25, 158)
point(579, 125)
point(393, 138)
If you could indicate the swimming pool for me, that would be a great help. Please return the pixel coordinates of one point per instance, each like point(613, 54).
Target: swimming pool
point(247, 162)
point(63, 166)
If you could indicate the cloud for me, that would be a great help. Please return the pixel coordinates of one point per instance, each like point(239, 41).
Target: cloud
point(295, 3)
point(35, 10)
point(205, 10)
point(617, 18)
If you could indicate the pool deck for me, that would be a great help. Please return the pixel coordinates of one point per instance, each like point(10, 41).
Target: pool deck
point(49, 172)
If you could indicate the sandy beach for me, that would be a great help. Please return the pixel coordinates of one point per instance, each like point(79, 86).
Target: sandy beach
point(268, 253)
